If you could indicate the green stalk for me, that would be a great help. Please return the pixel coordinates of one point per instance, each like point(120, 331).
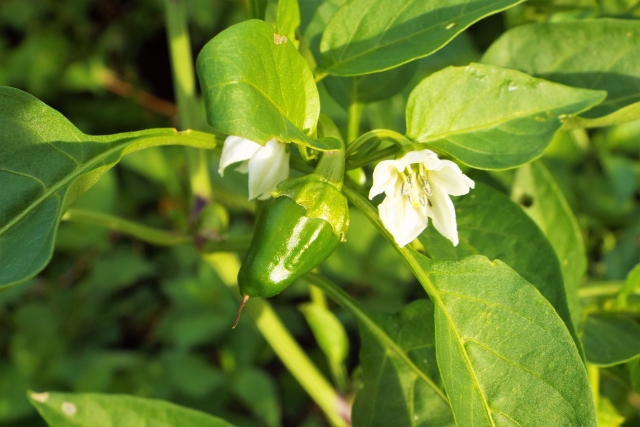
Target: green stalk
point(600, 289)
point(142, 232)
point(342, 298)
point(371, 158)
point(378, 135)
point(283, 344)
point(354, 112)
point(185, 89)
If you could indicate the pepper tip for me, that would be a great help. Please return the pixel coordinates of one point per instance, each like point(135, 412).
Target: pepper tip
point(244, 300)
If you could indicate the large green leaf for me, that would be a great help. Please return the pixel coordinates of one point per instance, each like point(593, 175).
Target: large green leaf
point(611, 340)
point(45, 164)
point(536, 191)
point(594, 54)
point(366, 36)
point(399, 371)
point(490, 117)
point(490, 224)
point(505, 356)
point(256, 85)
point(104, 410)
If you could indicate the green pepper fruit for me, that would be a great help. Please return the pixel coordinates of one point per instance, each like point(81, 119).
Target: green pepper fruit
point(296, 230)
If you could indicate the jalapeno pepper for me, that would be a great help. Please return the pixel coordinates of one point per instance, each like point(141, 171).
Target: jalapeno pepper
point(296, 230)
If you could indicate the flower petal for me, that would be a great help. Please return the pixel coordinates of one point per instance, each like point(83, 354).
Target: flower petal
point(267, 168)
point(385, 176)
point(427, 157)
point(404, 221)
point(236, 149)
point(451, 179)
point(243, 167)
point(443, 214)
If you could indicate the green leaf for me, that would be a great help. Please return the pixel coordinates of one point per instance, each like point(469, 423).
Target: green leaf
point(505, 356)
point(321, 17)
point(330, 335)
point(288, 19)
point(256, 85)
point(398, 365)
point(371, 87)
point(490, 224)
point(536, 191)
point(366, 36)
point(45, 164)
point(490, 117)
point(392, 393)
point(104, 410)
point(611, 340)
point(256, 390)
point(591, 53)
point(631, 285)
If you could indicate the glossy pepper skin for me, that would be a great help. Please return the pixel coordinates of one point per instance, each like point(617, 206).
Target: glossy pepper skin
point(288, 245)
point(296, 230)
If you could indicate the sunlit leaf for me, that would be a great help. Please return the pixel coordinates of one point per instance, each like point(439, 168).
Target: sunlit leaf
point(490, 117)
point(256, 85)
point(367, 36)
point(505, 356)
point(490, 224)
point(45, 164)
point(592, 53)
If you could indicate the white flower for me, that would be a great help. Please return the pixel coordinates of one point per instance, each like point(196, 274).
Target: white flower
point(267, 165)
point(418, 186)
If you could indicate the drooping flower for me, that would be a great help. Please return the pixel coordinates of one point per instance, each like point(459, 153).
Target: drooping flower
point(267, 165)
point(417, 187)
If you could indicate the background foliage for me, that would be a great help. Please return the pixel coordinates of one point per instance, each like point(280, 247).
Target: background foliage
point(112, 314)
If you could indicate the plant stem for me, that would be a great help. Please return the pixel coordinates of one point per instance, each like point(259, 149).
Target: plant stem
point(283, 344)
point(342, 298)
point(142, 232)
point(354, 112)
point(185, 90)
point(377, 135)
point(317, 296)
point(599, 289)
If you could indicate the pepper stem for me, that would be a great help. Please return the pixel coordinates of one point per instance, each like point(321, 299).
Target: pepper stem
point(244, 300)
point(330, 168)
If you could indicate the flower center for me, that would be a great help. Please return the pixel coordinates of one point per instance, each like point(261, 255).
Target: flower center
point(416, 185)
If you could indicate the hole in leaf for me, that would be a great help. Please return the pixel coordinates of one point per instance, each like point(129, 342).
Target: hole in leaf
point(526, 200)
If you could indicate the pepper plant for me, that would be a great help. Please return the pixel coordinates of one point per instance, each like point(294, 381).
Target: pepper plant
point(351, 119)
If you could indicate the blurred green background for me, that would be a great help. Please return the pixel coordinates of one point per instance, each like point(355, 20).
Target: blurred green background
point(113, 314)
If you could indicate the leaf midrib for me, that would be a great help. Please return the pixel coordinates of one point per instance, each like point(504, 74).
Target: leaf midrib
point(86, 167)
point(498, 123)
point(435, 295)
